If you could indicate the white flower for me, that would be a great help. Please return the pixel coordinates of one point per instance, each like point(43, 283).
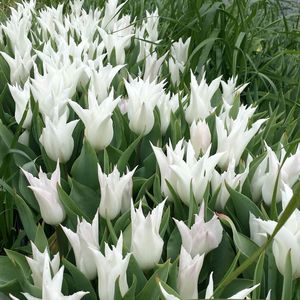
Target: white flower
point(21, 97)
point(200, 101)
point(230, 90)
point(97, 120)
point(164, 106)
point(116, 192)
point(230, 178)
point(86, 236)
point(239, 295)
point(110, 267)
point(101, 80)
point(200, 136)
point(111, 14)
point(203, 236)
point(146, 243)
point(179, 50)
point(153, 66)
point(116, 42)
point(234, 135)
point(20, 66)
point(57, 138)
point(45, 192)
point(175, 68)
point(52, 286)
point(142, 98)
point(188, 274)
point(36, 264)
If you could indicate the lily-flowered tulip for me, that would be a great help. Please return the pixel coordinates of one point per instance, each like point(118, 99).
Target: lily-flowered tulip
point(203, 236)
point(234, 135)
point(110, 267)
point(230, 178)
point(51, 289)
point(200, 101)
point(45, 192)
point(20, 66)
point(265, 177)
point(230, 90)
point(111, 14)
point(239, 295)
point(116, 192)
point(188, 274)
point(21, 97)
point(179, 50)
point(285, 241)
point(153, 66)
point(86, 236)
point(146, 243)
point(97, 120)
point(200, 136)
point(36, 264)
point(57, 138)
point(142, 99)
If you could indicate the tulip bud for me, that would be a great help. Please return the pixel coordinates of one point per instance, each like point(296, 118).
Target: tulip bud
point(200, 136)
point(115, 192)
point(57, 138)
point(146, 243)
point(203, 236)
point(45, 192)
point(110, 267)
point(97, 120)
point(188, 274)
point(86, 236)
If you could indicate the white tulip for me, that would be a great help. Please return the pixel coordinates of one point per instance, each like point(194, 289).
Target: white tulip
point(200, 136)
point(86, 236)
point(200, 100)
point(153, 66)
point(146, 243)
point(21, 97)
point(230, 90)
point(203, 236)
point(179, 50)
point(116, 192)
point(36, 264)
point(57, 138)
point(97, 120)
point(110, 267)
point(188, 274)
point(45, 192)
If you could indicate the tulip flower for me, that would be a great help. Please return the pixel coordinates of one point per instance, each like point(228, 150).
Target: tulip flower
point(200, 101)
point(153, 66)
point(97, 120)
point(45, 192)
point(116, 192)
point(239, 295)
point(115, 42)
point(36, 264)
point(110, 267)
point(230, 90)
point(142, 98)
point(21, 97)
point(200, 136)
point(57, 138)
point(51, 289)
point(111, 14)
point(233, 134)
point(287, 238)
point(86, 236)
point(203, 236)
point(164, 106)
point(188, 274)
point(101, 80)
point(179, 50)
point(20, 66)
point(146, 243)
point(174, 69)
point(230, 178)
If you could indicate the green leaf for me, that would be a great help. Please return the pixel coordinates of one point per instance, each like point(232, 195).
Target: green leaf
point(84, 169)
point(174, 244)
point(287, 289)
point(125, 156)
point(81, 283)
point(258, 276)
point(151, 291)
point(71, 207)
point(40, 239)
point(133, 270)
